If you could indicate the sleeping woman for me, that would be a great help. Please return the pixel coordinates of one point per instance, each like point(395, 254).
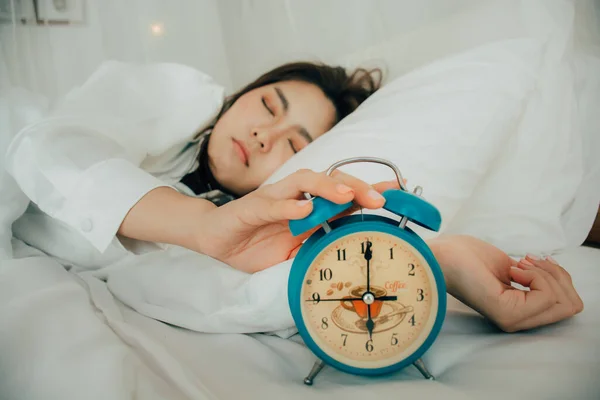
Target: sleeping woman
point(207, 194)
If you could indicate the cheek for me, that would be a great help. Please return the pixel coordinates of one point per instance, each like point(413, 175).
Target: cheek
point(272, 161)
point(236, 120)
point(246, 111)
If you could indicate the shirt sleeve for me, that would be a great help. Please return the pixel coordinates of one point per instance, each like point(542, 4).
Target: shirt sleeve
point(86, 181)
point(83, 164)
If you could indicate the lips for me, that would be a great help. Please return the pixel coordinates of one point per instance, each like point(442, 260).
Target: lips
point(241, 151)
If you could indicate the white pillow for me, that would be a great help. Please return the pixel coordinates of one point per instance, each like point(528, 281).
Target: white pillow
point(540, 196)
point(442, 125)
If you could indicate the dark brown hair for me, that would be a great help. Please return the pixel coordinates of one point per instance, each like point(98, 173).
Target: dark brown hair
point(345, 91)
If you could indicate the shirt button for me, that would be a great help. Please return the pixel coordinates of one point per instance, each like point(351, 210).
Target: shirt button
point(86, 225)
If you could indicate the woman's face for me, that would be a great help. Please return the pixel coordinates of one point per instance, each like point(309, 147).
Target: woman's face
point(263, 129)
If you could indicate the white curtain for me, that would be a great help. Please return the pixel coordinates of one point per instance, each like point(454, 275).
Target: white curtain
point(52, 58)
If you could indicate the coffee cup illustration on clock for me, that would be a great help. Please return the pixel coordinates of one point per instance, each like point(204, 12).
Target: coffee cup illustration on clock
point(352, 315)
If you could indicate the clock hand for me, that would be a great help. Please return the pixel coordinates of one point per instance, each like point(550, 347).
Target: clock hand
point(382, 298)
point(387, 298)
point(368, 256)
point(370, 324)
point(342, 299)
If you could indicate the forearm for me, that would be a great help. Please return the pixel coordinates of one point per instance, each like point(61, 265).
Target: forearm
point(166, 216)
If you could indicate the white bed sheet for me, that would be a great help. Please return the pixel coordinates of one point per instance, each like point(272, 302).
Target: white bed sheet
point(64, 337)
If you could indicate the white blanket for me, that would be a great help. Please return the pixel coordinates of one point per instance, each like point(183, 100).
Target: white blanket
point(57, 344)
point(196, 292)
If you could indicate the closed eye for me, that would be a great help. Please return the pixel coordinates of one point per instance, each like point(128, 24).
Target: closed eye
point(267, 106)
point(292, 146)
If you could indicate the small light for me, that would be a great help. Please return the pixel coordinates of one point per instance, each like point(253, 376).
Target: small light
point(157, 29)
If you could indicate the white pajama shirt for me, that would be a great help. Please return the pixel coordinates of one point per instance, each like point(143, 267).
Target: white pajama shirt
point(128, 130)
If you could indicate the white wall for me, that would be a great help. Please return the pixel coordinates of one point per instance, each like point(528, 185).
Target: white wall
point(265, 33)
point(232, 40)
point(52, 59)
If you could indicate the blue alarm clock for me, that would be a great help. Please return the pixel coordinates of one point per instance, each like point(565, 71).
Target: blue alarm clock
point(366, 293)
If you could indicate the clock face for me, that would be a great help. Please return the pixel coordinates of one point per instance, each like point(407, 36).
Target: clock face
point(402, 301)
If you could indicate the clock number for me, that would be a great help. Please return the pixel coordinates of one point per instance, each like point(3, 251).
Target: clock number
point(394, 339)
point(412, 320)
point(369, 345)
point(326, 274)
point(316, 298)
point(420, 295)
point(363, 246)
point(324, 324)
point(411, 269)
point(391, 253)
point(341, 254)
point(345, 337)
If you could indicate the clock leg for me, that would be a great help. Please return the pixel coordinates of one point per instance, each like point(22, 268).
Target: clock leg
point(420, 365)
point(313, 372)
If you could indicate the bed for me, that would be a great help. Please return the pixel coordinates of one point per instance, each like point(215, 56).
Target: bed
point(57, 344)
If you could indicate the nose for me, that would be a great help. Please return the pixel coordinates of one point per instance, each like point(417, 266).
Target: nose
point(266, 138)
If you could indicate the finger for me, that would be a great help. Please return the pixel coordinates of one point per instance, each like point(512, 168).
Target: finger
point(339, 188)
point(554, 269)
point(563, 278)
point(561, 296)
point(562, 308)
point(365, 195)
point(386, 185)
point(289, 209)
point(380, 187)
point(306, 181)
point(259, 210)
point(525, 304)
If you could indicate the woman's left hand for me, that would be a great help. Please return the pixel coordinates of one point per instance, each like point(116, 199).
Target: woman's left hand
point(480, 275)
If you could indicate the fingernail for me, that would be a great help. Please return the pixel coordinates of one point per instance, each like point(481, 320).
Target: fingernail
point(552, 260)
point(526, 262)
point(375, 195)
point(532, 257)
point(302, 203)
point(341, 188)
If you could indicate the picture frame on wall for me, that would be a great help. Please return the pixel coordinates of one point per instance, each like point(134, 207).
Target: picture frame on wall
point(24, 11)
point(60, 11)
point(43, 12)
point(5, 10)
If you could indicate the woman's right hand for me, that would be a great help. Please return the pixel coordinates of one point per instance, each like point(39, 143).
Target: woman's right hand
point(252, 233)
point(481, 275)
